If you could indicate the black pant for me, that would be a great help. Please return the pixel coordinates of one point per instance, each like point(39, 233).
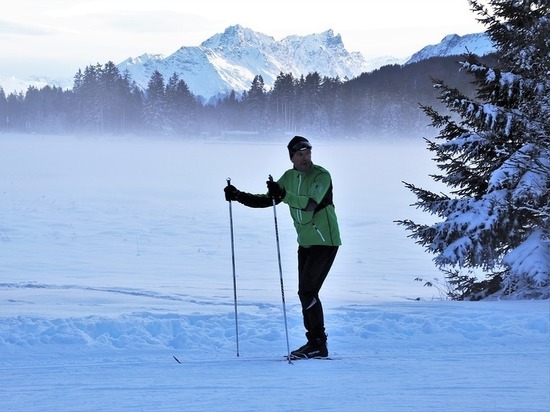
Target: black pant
point(314, 263)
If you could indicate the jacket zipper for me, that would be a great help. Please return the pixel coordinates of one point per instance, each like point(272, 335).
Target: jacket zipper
point(299, 189)
point(319, 232)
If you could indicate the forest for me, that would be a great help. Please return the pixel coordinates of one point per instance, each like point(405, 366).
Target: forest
point(381, 104)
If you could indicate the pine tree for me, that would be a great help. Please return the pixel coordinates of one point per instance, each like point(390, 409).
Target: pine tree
point(131, 106)
point(154, 110)
point(496, 158)
point(180, 105)
point(255, 101)
point(332, 103)
point(283, 102)
point(228, 113)
point(87, 99)
point(3, 110)
point(311, 105)
point(172, 114)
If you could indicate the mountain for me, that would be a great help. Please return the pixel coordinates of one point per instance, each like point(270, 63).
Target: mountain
point(453, 44)
point(12, 84)
point(230, 61)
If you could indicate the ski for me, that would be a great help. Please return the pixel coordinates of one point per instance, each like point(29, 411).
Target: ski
point(297, 358)
point(248, 359)
point(195, 360)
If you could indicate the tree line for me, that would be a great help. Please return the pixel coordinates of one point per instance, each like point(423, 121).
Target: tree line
point(104, 101)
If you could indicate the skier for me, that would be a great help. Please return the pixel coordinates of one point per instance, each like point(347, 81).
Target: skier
point(307, 190)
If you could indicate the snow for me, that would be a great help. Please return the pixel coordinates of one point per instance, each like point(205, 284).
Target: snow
point(116, 257)
point(455, 45)
point(229, 61)
point(530, 259)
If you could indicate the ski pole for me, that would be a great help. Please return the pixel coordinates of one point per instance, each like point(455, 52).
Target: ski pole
point(280, 272)
point(234, 276)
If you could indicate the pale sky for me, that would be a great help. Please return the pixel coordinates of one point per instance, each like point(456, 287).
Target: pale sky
point(57, 37)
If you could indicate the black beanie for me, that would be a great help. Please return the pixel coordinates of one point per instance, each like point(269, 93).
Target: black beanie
point(296, 144)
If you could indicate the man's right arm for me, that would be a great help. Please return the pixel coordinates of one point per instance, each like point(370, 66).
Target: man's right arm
point(247, 199)
point(253, 200)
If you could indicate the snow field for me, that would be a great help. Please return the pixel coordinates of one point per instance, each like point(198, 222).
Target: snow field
point(116, 257)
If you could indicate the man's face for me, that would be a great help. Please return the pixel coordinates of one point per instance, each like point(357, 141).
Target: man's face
point(302, 160)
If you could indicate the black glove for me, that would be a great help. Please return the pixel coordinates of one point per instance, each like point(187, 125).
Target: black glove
point(275, 190)
point(231, 193)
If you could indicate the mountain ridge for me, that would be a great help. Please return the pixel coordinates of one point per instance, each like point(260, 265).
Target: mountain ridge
point(453, 44)
point(230, 60)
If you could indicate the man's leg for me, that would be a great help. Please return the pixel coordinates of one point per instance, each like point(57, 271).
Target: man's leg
point(314, 264)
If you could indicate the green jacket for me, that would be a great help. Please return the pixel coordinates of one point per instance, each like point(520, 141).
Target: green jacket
point(309, 198)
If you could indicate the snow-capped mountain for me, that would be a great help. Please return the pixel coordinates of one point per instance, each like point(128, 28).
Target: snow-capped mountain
point(12, 84)
point(453, 44)
point(230, 61)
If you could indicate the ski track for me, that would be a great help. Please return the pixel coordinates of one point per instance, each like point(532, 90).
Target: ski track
point(409, 355)
point(152, 380)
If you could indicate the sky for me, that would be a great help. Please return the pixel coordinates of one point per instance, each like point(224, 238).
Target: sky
point(54, 38)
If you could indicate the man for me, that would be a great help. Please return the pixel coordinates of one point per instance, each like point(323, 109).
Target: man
point(307, 190)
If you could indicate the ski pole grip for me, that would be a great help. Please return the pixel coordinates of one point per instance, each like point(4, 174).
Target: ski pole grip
point(272, 197)
point(228, 181)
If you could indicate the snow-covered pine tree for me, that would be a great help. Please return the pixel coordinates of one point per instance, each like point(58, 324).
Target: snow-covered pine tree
point(493, 151)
